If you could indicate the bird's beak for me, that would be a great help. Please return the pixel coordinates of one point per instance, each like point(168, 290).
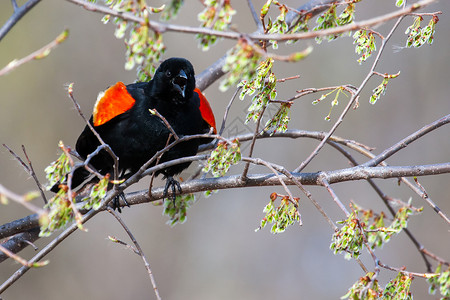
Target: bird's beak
point(179, 83)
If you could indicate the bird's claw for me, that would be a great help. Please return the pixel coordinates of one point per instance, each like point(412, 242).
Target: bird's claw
point(174, 185)
point(116, 202)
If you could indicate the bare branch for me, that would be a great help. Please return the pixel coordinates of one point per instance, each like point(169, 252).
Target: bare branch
point(38, 54)
point(20, 241)
point(408, 140)
point(19, 12)
point(162, 27)
point(334, 196)
point(138, 248)
point(33, 174)
point(28, 168)
point(21, 199)
point(21, 260)
point(353, 99)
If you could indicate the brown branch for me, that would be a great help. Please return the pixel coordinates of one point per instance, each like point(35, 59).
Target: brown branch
point(334, 196)
point(342, 175)
point(138, 248)
point(22, 240)
point(21, 199)
point(38, 54)
point(19, 12)
point(21, 260)
point(353, 99)
point(163, 27)
point(28, 168)
point(408, 140)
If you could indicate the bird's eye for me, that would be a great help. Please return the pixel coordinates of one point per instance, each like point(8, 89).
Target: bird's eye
point(168, 73)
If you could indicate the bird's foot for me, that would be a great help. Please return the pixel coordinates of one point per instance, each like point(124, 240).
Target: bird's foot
point(116, 202)
point(174, 185)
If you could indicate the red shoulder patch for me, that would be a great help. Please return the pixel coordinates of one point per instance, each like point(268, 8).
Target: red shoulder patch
point(114, 101)
point(206, 111)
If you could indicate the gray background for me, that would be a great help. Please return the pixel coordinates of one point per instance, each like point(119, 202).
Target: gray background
point(216, 254)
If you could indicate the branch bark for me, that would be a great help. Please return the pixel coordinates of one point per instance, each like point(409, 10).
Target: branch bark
point(19, 12)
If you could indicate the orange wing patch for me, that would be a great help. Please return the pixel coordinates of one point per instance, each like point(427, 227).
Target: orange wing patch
point(206, 111)
point(114, 101)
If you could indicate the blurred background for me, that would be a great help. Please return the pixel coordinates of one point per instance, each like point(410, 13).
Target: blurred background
point(217, 254)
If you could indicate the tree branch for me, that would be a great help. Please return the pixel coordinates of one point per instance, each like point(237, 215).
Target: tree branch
point(38, 54)
point(406, 141)
point(19, 12)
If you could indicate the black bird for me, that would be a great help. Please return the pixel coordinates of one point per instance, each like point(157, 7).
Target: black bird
point(123, 119)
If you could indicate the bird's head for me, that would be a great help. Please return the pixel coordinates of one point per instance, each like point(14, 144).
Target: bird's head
point(174, 80)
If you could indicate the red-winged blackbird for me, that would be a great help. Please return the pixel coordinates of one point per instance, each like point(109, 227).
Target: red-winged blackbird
point(122, 118)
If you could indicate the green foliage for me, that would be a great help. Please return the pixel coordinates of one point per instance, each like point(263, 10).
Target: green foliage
point(381, 89)
point(279, 25)
point(335, 101)
point(399, 3)
point(3, 199)
point(222, 158)
point(365, 44)
point(58, 170)
point(280, 217)
point(98, 192)
point(59, 213)
point(241, 63)
point(280, 121)
point(366, 288)
point(441, 282)
point(418, 36)
point(171, 11)
point(61, 209)
point(144, 48)
point(217, 15)
point(374, 225)
point(398, 288)
point(347, 16)
point(349, 238)
point(369, 227)
point(329, 19)
point(177, 210)
point(326, 20)
point(264, 83)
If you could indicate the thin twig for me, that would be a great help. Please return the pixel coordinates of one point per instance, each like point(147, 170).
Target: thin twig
point(21, 260)
point(352, 100)
point(403, 271)
point(430, 202)
point(38, 54)
point(139, 249)
point(259, 161)
point(118, 241)
point(28, 168)
point(33, 174)
point(107, 147)
point(23, 200)
point(163, 27)
point(252, 144)
point(19, 12)
point(47, 249)
point(407, 140)
point(14, 5)
point(227, 109)
point(150, 186)
point(254, 14)
point(333, 194)
point(296, 182)
point(155, 112)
